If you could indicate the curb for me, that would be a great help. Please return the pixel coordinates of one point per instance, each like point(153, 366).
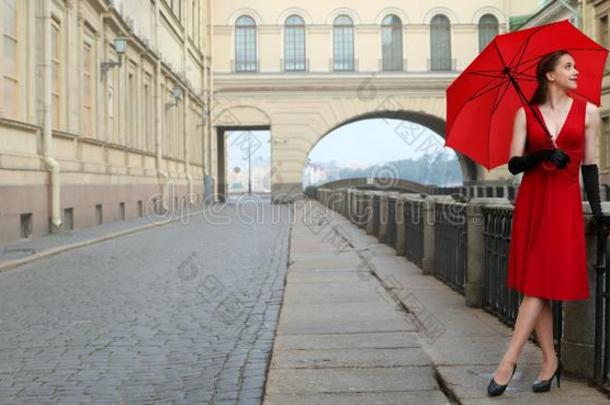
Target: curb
point(12, 264)
point(444, 386)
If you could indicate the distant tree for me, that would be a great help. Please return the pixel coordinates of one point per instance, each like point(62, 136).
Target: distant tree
point(440, 170)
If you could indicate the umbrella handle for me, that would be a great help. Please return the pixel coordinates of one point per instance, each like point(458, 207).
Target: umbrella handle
point(524, 100)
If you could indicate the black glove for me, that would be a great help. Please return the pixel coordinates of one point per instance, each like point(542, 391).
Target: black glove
point(518, 164)
point(590, 178)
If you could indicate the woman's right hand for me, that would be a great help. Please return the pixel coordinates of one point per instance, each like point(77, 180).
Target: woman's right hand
point(556, 156)
point(560, 158)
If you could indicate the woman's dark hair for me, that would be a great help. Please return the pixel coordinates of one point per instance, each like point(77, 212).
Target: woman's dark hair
point(546, 64)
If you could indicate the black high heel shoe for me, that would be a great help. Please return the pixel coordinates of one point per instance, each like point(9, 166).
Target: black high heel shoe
point(545, 385)
point(495, 389)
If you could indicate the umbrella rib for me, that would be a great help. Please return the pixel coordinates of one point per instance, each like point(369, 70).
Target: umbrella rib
point(521, 51)
point(528, 63)
point(534, 59)
point(494, 107)
point(498, 99)
point(527, 78)
point(515, 73)
point(483, 91)
point(479, 93)
point(479, 73)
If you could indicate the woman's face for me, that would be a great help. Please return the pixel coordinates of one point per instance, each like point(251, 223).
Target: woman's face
point(565, 73)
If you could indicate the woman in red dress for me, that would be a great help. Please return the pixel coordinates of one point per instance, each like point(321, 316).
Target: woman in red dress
point(547, 258)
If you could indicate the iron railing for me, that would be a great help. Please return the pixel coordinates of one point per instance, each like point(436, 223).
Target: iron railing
point(601, 364)
point(498, 299)
point(414, 231)
point(375, 212)
point(390, 238)
point(450, 248)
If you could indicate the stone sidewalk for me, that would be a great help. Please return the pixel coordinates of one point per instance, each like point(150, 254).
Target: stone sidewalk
point(18, 253)
point(359, 324)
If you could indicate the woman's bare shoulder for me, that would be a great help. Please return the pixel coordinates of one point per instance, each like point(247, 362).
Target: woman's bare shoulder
point(520, 113)
point(591, 114)
point(592, 108)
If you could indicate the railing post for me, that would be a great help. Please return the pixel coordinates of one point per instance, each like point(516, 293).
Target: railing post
point(428, 228)
point(383, 216)
point(578, 338)
point(370, 211)
point(474, 289)
point(400, 225)
point(348, 206)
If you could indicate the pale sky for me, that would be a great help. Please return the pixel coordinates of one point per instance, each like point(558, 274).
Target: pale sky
point(377, 140)
point(361, 143)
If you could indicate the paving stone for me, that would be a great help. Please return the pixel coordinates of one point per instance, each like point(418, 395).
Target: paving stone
point(127, 316)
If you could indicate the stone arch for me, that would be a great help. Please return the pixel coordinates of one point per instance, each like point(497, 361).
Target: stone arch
point(441, 10)
point(343, 10)
point(470, 169)
point(281, 20)
point(392, 10)
point(488, 10)
point(245, 11)
point(242, 115)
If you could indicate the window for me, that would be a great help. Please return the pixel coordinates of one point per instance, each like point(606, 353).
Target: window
point(604, 150)
point(603, 34)
point(294, 44)
point(87, 89)
point(245, 44)
point(169, 121)
point(56, 74)
point(488, 29)
point(132, 136)
point(10, 61)
point(193, 18)
point(391, 43)
point(343, 43)
point(147, 99)
point(110, 80)
point(440, 43)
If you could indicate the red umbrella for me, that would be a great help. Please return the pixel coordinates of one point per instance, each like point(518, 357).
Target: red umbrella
point(483, 99)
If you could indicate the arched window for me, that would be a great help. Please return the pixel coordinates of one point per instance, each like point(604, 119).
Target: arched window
point(294, 43)
point(488, 29)
point(245, 44)
point(440, 43)
point(391, 43)
point(343, 49)
point(9, 66)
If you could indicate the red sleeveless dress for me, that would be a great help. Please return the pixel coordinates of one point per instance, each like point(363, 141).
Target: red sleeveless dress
point(547, 255)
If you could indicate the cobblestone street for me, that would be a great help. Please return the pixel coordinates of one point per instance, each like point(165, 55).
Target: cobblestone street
point(178, 314)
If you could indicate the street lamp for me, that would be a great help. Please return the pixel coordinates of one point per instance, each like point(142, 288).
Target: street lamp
point(249, 158)
point(120, 45)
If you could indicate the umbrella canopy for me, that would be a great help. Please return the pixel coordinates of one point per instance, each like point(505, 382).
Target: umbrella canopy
point(483, 99)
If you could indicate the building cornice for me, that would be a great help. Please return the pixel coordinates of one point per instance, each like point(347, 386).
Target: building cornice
point(359, 83)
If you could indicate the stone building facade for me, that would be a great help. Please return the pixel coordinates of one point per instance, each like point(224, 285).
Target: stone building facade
point(302, 69)
point(83, 142)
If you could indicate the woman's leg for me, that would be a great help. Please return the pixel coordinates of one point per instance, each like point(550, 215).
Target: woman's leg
point(544, 335)
point(528, 313)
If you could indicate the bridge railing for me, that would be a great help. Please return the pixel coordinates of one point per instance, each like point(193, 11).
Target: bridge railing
point(450, 237)
point(601, 367)
point(465, 242)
